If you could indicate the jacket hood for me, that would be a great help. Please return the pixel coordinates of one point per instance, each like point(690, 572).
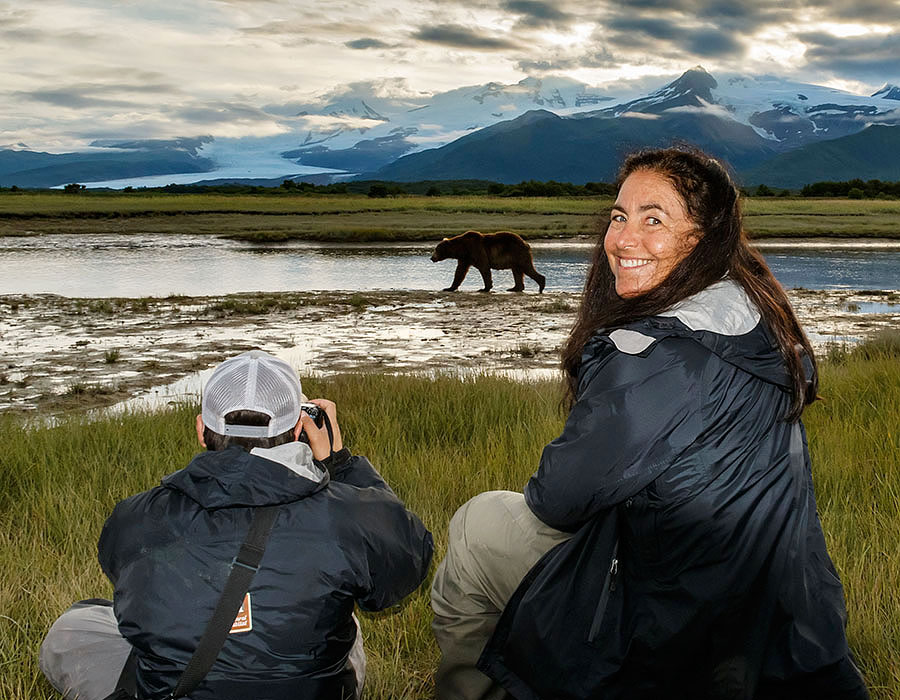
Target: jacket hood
point(233, 477)
point(723, 319)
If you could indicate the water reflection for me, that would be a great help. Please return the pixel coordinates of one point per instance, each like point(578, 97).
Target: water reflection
point(835, 269)
point(873, 307)
point(162, 264)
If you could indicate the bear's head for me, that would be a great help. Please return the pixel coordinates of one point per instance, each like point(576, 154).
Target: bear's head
point(442, 251)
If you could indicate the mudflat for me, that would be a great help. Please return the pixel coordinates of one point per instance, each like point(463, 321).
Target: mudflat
point(59, 354)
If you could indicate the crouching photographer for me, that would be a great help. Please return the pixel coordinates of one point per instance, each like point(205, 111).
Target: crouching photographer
point(237, 577)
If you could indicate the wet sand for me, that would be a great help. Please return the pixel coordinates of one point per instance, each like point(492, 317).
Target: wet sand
point(59, 354)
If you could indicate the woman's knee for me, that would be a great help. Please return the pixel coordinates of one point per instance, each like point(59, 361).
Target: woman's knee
point(480, 522)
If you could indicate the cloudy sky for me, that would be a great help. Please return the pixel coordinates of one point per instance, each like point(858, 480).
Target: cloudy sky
point(78, 70)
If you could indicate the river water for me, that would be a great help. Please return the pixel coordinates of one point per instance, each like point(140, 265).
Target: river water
point(111, 265)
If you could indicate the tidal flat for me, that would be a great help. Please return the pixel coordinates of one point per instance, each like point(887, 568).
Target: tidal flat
point(59, 354)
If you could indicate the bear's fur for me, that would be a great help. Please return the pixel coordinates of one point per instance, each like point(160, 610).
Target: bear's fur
point(499, 251)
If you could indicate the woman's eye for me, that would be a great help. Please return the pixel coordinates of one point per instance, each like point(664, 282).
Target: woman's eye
point(653, 221)
point(618, 218)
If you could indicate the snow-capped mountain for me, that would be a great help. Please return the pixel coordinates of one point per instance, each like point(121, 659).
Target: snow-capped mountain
point(788, 113)
point(394, 127)
point(888, 92)
point(748, 121)
point(367, 128)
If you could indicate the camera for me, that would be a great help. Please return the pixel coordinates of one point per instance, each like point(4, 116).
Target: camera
point(316, 413)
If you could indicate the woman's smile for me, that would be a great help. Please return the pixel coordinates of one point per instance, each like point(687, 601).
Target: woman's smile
point(649, 233)
point(633, 262)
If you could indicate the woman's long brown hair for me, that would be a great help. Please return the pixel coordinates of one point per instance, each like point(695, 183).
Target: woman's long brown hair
point(713, 204)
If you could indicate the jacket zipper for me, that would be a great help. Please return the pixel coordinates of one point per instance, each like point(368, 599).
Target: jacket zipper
point(609, 585)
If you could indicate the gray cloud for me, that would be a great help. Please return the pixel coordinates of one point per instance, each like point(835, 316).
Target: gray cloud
point(859, 58)
point(753, 12)
point(220, 112)
point(152, 88)
point(457, 36)
point(741, 17)
point(534, 13)
point(545, 66)
point(883, 11)
point(36, 35)
point(653, 27)
point(596, 58)
point(279, 26)
point(366, 43)
point(599, 58)
point(70, 97)
point(713, 43)
point(311, 25)
point(704, 8)
point(94, 95)
point(666, 36)
point(22, 34)
point(13, 16)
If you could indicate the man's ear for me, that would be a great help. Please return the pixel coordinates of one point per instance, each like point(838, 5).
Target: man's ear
point(200, 428)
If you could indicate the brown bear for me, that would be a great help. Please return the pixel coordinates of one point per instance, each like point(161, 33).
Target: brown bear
point(501, 251)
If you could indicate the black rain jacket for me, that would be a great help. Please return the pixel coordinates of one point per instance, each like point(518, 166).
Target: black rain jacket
point(698, 567)
point(335, 542)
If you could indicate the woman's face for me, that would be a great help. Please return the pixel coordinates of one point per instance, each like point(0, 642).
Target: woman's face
point(649, 233)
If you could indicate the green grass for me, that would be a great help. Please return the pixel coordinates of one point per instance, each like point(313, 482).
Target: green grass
point(270, 219)
point(855, 447)
point(438, 442)
point(99, 205)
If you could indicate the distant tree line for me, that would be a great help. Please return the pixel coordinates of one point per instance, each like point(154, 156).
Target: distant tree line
point(853, 189)
point(551, 188)
point(526, 188)
point(765, 191)
point(381, 188)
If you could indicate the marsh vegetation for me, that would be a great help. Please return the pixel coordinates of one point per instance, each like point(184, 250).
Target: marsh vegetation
point(58, 486)
point(343, 217)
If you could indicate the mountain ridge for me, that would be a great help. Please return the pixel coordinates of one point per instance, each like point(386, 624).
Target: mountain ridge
point(380, 130)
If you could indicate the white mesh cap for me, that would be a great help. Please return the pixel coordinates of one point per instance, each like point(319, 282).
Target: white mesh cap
point(252, 381)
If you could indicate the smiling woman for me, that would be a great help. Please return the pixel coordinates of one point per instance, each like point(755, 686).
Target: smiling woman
point(668, 543)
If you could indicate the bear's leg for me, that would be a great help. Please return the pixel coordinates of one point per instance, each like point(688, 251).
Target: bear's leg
point(462, 267)
point(537, 277)
point(486, 276)
point(519, 279)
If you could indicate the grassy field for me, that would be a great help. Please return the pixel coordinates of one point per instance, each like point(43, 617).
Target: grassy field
point(408, 217)
point(438, 442)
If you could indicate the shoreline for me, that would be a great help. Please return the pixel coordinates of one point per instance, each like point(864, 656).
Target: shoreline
point(838, 240)
point(812, 242)
point(61, 354)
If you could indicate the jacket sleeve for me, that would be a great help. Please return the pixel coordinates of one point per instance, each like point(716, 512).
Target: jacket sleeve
point(117, 544)
point(358, 471)
point(396, 547)
point(106, 550)
point(634, 415)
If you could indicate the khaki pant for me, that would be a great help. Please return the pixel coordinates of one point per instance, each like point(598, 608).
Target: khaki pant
point(83, 653)
point(494, 540)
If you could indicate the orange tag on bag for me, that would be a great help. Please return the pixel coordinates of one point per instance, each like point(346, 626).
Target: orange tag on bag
point(243, 622)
